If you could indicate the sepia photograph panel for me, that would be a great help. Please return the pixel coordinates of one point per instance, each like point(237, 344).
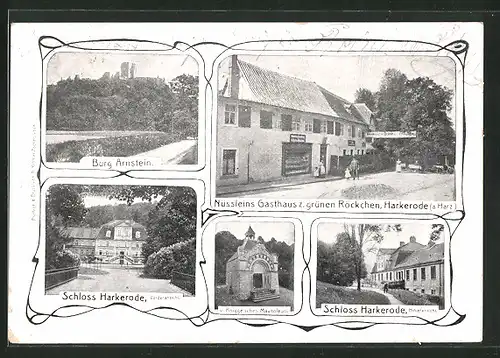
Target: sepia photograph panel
point(142, 108)
point(336, 127)
point(254, 264)
point(120, 238)
point(381, 264)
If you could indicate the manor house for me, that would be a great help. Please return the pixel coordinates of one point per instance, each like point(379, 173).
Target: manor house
point(270, 125)
point(252, 271)
point(421, 267)
point(119, 241)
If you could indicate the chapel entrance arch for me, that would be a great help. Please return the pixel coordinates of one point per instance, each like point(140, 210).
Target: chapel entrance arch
point(261, 274)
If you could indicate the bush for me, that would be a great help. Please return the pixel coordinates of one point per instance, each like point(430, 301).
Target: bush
point(285, 279)
point(369, 163)
point(177, 257)
point(113, 146)
point(64, 259)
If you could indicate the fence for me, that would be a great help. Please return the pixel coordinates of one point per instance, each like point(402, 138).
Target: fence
point(184, 281)
point(57, 277)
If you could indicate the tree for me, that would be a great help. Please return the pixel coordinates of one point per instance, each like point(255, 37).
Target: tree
point(65, 204)
point(437, 231)
point(226, 245)
point(365, 238)
point(419, 105)
point(364, 95)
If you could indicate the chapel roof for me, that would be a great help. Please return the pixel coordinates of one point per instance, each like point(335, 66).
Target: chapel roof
point(250, 231)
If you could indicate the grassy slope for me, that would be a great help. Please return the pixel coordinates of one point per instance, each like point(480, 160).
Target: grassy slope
point(328, 293)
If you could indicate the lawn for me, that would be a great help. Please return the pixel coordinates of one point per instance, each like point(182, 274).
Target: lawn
point(112, 146)
point(222, 298)
point(328, 293)
point(91, 271)
point(413, 298)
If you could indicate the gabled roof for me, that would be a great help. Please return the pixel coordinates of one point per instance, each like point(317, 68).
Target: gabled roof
point(424, 255)
point(341, 106)
point(79, 232)
point(250, 232)
point(249, 244)
point(280, 90)
point(364, 112)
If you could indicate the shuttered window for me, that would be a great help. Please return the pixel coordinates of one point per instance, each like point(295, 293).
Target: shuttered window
point(286, 122)
point(266, 120)
point(244, 116)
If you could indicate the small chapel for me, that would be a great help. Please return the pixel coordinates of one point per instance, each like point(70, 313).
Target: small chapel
point(252, 271)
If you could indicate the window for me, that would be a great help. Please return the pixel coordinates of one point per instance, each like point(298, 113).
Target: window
point(433, 272)
point(344, 152)
point(330, 127)
point(414, 274)
point(360, 133)
point(352, 151)
point(108, 233)
point(266, 120)
point(100, 253)
point(296, 124)
point(363, 134)
point(323, 128)
point(308, 125)
point(358, 152)
point(137, 245)
point(339, 129)
point(422, 273)
point(316, 125)
point(244, 116)
point(423, 290)
point(390, 276)
point(230, 114)
point(362, 152)
point(137, 234)
point(353, 132)
point(76, 242)
point(349, 131)
point(286, 122)
point(277, 123)
point(433, 291)
point(229, 162)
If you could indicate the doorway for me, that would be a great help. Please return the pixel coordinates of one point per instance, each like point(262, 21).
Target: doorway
point(257, 280)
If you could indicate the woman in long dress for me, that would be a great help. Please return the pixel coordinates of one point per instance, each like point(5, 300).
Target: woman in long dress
point(347, 173)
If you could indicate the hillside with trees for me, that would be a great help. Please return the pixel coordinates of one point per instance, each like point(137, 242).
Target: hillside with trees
point(134, 104)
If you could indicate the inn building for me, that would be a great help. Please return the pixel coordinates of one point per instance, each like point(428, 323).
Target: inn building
point(271, 126)
point(421, 267)
point(119, 241)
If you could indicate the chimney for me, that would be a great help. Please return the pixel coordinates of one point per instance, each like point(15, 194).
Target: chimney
point(132, 71)
point(124, 70)
point(413, 239)
point(234, 77)
point(401, 243)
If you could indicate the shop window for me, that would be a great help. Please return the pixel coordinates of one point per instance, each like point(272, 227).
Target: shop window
point(422, 273)
point(229, 162)
point(296, 124)
point(230, 114)
point(433, 272)
point(244, 116)
point(330, 127)
point(308, 125)
point(286, 122)
point(414, 274)
point(137, 234)
point(266, 120)
point(108, 233)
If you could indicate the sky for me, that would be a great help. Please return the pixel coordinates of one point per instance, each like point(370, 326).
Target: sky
point(327, 232)
point(94, 200)
point(93, 65)
point(343, 75)
point(281, 231)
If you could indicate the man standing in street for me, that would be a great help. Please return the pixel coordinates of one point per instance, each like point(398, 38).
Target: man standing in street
point(354, 167)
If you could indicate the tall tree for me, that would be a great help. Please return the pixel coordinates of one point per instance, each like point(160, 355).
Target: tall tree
point(364, 95)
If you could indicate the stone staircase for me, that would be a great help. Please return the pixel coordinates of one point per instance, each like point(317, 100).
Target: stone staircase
point(264, 294)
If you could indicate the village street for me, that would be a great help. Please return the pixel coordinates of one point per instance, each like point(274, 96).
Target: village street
point(115, 280)
point(388, 185)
